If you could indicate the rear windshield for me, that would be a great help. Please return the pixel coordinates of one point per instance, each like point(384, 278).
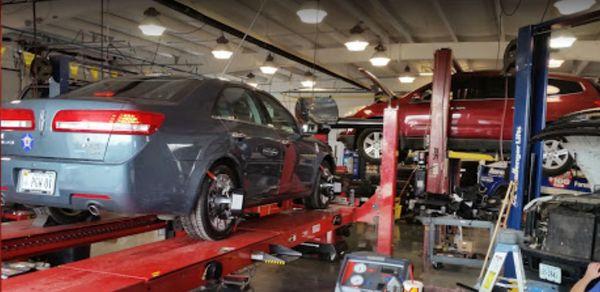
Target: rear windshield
point(156, 89)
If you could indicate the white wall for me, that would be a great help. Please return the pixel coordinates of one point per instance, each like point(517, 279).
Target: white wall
point(11, 85)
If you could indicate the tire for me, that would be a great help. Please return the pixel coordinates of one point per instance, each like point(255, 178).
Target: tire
point(369, 145)
point(206, 220)
point(557, 159)
point(318, 200)
point(64, 216)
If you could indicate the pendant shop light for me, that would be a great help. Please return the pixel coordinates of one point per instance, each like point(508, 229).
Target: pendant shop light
point(380, 58)
point(151, 25)
point(357, 41)
point(222, 51)
point(268, 67)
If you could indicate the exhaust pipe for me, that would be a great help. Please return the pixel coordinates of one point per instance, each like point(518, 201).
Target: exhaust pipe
point(94, 210)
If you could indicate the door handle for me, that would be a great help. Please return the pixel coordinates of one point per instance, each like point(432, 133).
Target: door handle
point(238, 135)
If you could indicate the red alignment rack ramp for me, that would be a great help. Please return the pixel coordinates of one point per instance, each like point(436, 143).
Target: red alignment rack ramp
point(178, 264)
point(22, 240)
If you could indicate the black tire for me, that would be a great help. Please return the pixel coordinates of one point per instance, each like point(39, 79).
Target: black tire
point(64, 216)
point(560, 164)
point(198, 224)
point(318, 200)
point(372, 155)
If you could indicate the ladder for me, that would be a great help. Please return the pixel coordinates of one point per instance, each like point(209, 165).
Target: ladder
point(508, 243)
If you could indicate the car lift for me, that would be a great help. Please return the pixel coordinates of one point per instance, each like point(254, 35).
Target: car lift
point(530, 110)
point(182, 263)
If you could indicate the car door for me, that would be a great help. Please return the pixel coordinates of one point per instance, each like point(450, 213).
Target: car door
point(256, 145)
point(299, 166)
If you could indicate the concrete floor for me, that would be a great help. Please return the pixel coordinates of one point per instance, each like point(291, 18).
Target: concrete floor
point(312, 275)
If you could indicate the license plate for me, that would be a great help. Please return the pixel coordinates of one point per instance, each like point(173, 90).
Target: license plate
point(550, 273)
point(36, 181)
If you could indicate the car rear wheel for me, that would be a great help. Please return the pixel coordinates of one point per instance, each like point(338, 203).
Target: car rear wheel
point(320, 198)
point(211, 219)
point(67, 216)
point(369, 145)
point(557, 159)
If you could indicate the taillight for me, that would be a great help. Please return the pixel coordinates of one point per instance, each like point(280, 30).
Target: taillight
point(17, 119)
point(107, 121)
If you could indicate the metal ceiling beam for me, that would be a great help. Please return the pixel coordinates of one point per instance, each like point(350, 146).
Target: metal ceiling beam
point(444, 19)
point(581, 65)
point(197, 15)
point(361, 15)
point(383, 11)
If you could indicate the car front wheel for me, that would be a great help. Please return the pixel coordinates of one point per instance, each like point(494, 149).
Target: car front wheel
point(211, 219)
point(557, 159)
point(369, 145)
point(320, 198)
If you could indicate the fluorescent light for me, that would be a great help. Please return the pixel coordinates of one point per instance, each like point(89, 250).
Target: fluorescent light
point(309, 80)
point(555, 63)
point(222, 50)
point(268, 67)
point(379, 59)
point(566, 7)
point(151, 25)
point(406, 79)
point(253, 84)
point(152, 29)
point(357, 41)
point(356, 45)
point(310, 12)
point(425, 73)
point(562, 41)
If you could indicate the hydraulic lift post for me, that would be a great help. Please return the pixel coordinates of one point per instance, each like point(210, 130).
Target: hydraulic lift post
point(437, 180)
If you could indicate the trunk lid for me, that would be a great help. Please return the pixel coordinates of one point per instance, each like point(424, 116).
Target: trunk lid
point(43, 142)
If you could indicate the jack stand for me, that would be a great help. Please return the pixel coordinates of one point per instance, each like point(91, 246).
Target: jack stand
point(235, 282)
point(260, 256)
point(508, 242)
point(42, 218)
point(323, 251)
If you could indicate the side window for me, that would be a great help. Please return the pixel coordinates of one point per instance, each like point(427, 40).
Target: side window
point(235, 103)
point(483, 87)
point(558, 86)
point(278, 116)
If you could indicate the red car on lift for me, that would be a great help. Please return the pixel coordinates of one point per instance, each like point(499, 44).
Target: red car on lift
point(481, 109)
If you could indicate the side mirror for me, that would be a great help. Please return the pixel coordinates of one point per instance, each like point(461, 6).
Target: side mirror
point(309, 129)
point(317, 110)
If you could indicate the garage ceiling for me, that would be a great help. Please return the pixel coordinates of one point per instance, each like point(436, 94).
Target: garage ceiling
point(410, 29)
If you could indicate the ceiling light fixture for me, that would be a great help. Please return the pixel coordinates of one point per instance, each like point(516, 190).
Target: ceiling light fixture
point(309, 80)
point(425, 73)
point(357, 41)
point(407, 77)
point(251, 80)
point(310, 12)
point(222, 51)
point(151, 25)
point(566, 7)
point(562, 40)
point(268, 67)
point(380, 58)
point(555, 63)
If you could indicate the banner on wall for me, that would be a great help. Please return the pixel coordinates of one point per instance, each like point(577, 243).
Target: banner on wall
point(28, 58)
point(73, 69)
point(114, 74)
point(95, 73)
point(2, 50)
